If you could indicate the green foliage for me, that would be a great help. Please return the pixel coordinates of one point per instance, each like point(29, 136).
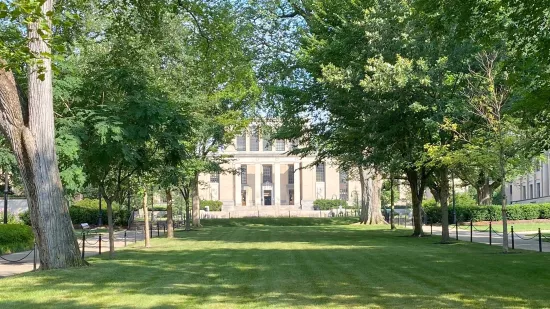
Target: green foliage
point(87, 211)
point(324, 204)
point(213, 205)
point(25, 217)
point(467, 212)
point(12, 219)
point(15, 237)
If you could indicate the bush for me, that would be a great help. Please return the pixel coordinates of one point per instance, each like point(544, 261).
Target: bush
point(212, 205)
point(490, 213)
point(323, 204)
point(544, 211)
point(15, 237)
point(87, 211)
point(11, 218)
point(25, 217)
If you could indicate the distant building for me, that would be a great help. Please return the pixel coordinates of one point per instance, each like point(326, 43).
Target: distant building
point(268, 177)
point(531, 188)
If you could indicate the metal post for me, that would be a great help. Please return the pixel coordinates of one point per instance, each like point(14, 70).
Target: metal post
point(471, 231)
point(454, 202)
point(34, 260)
point(83, 244)
point(490, 233)
point(540, 241)
point(512, 231)
point(99, 244)
point(164, 228)
point(151, 230)
point(158, 229)
point(124, 238)
point(6, 190)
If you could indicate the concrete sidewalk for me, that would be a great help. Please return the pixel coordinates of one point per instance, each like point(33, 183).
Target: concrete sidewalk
point(529, 241)
point(91, 248)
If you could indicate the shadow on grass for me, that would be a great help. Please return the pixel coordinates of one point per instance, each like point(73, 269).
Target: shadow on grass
point(234, 267)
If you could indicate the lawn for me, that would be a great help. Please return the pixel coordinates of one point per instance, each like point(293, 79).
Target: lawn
point(329, 266)
point(518, 227)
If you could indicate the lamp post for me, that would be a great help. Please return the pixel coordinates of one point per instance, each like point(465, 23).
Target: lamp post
point(454, 202)
point(6, 190)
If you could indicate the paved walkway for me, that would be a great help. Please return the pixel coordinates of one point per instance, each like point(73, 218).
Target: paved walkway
point(482, 236)
point(91, 248)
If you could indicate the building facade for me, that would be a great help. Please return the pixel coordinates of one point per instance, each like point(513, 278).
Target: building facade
point(265, 177)
point(533, 187)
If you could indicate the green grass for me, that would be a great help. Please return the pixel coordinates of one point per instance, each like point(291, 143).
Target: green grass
point(278, 221)
point(349, 266)
point(518, 227)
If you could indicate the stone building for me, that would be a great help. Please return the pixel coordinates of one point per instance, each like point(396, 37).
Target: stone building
point(268, 177)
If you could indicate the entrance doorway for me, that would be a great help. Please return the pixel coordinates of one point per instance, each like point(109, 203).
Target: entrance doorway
point(267, 197)
point(291, 197)
point(243, 197)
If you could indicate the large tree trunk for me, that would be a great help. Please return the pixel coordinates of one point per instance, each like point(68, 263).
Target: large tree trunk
point(485, 193)
point(29, 127)
point(443, 192)
point(196, 202)
point(364, 196)
point(417, 193)
point(392, 203)
point(146, 220)
point(169, 214)
point(375, 213)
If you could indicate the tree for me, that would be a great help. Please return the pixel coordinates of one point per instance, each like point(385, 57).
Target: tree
point(28, 124)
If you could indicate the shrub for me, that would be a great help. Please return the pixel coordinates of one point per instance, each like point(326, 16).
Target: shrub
point(212, 205)
point(11, 218)
point(323, 204)
point(544, 211)
point(15, 237)
point(25, 217)
point(87, 211)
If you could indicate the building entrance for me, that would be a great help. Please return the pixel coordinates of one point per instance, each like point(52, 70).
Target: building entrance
point(267, 197)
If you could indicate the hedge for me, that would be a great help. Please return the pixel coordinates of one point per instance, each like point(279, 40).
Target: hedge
point(490, 213)
point(15, 237)
point(212, 205)
point(87, 211)
point(25, 217)
point(323, 204)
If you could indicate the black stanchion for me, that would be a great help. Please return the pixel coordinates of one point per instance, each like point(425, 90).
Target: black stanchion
point(83, 244)
point(512, 231)
point(540, 241)
point(124, 238)
point(34, 258)
point(490, 233)
point(164, 228)
point(456, 229)
point(151, 230)
point(99, 244)
point(158, 229)
point(471, 231)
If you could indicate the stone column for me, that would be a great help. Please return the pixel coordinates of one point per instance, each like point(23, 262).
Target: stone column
point(258, 184)
point(297, 182)
point(247, 141)
point(277, 183)
point(238, 188)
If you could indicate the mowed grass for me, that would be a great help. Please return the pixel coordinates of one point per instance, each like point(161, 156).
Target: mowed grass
point(518, 227)
point(349, 266)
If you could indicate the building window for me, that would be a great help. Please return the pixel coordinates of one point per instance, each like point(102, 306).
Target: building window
point(343, 177)
point(291, 174)
point(523, 193)
point(320, 172)
point(241, 143)
point(343, 185)
point(267, 144)
point(267, 174)
point(244, 176)
point(280, 145)
point(215, 177)
point(531, 191)
point(254, 142)
point(344, 194)
point(538, 189)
